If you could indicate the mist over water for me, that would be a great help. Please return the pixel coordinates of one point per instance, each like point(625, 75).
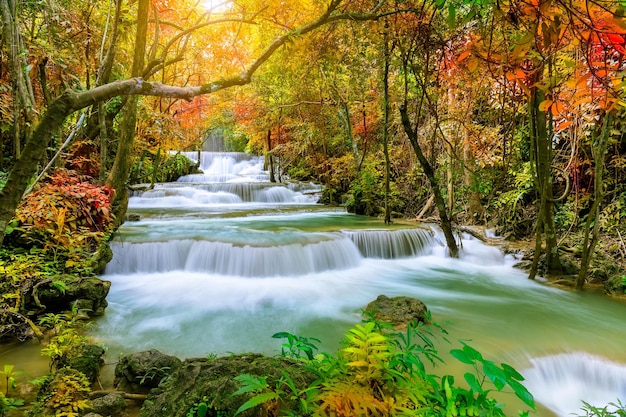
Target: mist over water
point(218, 267)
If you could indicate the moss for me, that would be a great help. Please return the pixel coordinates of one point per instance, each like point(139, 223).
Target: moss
point(213, 380)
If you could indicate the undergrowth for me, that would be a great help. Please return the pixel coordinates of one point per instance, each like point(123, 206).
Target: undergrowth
point(382, 372)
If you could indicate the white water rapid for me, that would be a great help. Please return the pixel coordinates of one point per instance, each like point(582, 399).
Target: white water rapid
point(220, 261)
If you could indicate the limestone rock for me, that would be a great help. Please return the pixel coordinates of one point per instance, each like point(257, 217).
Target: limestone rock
point(211, 381)
point(399, 311)
point(112, 405)
point(142, 371)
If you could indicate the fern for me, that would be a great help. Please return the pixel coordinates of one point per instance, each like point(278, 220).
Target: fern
point(367, 352)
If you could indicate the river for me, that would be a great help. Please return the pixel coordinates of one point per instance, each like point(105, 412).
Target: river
point(220, 261)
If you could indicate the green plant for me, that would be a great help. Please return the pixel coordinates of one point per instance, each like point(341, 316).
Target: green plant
point(7, 404)
point(153, 373)
point(60, 346)
point(296, 345)
point(619, 410)
point(9, 374)
point(199, 409)
point(382, 372)
point(66, 393)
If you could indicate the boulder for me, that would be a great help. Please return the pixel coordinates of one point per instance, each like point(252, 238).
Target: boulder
point(86, 359)
point(86, 294)
point(142, 371)
point(399, 311)
point(210, 382)
point(112, 405)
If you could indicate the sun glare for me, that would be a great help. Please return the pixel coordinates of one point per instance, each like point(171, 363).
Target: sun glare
point(217, 6)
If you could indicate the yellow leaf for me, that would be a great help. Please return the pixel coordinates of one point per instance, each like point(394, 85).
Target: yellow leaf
point(545, 105)
point(472, 64)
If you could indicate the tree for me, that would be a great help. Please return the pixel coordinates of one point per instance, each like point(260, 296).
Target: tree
point(71, 101)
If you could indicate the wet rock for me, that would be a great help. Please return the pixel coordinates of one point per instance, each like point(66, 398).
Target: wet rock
point(142, 371)
point(211, 382)
point(89, 293)
point(112, 405)
point(399, 311)
point(86, 359)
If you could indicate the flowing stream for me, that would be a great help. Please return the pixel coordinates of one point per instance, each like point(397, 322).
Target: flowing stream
point(220, 261)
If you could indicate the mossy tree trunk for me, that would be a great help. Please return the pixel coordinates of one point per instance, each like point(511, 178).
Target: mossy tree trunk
point(386, 54)
point(120, 172)
point(592, 226)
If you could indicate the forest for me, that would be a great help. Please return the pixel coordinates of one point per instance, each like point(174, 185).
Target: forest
point(505, 115)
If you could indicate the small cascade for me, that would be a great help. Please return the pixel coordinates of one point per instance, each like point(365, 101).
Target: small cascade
point(207, 159)
point(227, 178)
point(561, 382)
point(226, 258)
point(247, 192)
point(391, 244)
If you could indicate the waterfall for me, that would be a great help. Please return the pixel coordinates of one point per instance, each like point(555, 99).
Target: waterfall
point(220, 261)
point(561, 382)
point(225, 258)
point(391, 244)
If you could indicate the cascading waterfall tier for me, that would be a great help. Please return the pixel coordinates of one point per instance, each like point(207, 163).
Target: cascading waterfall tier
point(562, 382)
point(331, 253)
point(391, 244)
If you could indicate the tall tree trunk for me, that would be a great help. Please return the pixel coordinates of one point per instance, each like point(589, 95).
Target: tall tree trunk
point(23, 98)
point(118, 177)
point(475, 206)
point(541, 157)
point(440, 202)
point(269, 160)
point(386, 122)
point(598, 148)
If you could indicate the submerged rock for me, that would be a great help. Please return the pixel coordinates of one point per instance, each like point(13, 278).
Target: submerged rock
point(399, 311)
point(142, 371)
point(211, 382)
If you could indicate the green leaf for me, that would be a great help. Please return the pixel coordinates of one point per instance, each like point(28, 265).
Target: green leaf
point(495, 374)
point(451, 15)
point(472, 381)
point(511, 372)
point(523, 394)
point(249, 383)
point(256, 400)
point(462, 356)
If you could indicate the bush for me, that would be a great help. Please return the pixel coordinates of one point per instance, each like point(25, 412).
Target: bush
point(383, 372)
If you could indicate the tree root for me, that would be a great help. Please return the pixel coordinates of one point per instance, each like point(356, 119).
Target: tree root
point(126, 395)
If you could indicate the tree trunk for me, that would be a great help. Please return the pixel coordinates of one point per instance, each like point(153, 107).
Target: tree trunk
point(269, 160)
point(541, 157)
point(23, 99)
point(386, 123)
point(118, 177)
point(440, 202)
point(598, 149)
point(475, 206)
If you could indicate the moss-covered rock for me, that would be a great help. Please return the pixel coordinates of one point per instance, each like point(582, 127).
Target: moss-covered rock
point(140, 372)
point(59, 294)
point(399, 311)
point(212, 382)
point(86, 359)
point(112, 405)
